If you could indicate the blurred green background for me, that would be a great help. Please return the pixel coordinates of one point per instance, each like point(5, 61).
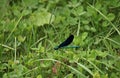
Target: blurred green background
point(30, 29)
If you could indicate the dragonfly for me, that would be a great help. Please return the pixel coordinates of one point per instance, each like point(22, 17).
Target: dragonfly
point(65, 43)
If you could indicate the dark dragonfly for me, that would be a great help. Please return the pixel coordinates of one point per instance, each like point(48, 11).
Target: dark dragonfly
point(66, 43)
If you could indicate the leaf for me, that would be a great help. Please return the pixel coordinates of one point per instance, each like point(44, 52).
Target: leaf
point(74, 4)
point(90, 11)
point(84, 35)
point(78, 11)
point(84, 21)
point(96, 75)
point(92, 55)
point(105, 24)
point(72, 21)
point(59, 18)
point(26, 12)
point(39, 76)
point(30, 3)
point(69, 75)
point(79, 40)
point(101, 54)
point(40, 47)
point(41, 18)
point(111, 16)
point(16, 10)
point(86, 27)
point(93, 29)
point(21, 38)
point(98, 5)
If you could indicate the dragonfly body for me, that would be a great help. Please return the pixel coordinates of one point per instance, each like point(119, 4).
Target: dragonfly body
point(66, 42)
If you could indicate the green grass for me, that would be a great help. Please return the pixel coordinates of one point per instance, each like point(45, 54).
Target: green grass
point(30, 29)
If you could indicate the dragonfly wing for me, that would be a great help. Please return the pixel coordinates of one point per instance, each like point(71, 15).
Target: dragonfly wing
point(66, 42)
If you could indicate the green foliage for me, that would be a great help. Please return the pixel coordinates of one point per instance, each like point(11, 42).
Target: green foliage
point(40, 25)
point(41, 18)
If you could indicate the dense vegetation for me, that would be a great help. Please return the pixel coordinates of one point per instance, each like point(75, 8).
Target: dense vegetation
point(30, 29)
